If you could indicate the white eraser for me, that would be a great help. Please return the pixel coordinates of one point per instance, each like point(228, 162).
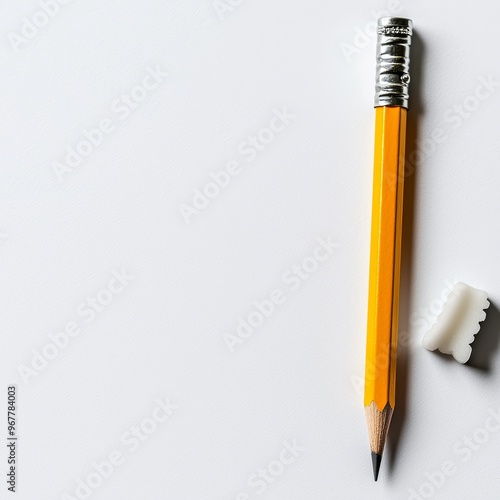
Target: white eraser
point(458, 322)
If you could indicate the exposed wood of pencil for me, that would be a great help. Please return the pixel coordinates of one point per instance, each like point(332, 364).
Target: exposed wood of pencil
point(378, 425)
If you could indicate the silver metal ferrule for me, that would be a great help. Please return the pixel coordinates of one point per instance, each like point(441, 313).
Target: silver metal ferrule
point(393, 61)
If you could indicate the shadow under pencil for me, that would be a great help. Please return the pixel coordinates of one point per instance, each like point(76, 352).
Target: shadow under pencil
point(411, 174)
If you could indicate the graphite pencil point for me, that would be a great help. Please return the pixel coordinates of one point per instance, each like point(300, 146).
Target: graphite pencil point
point(376, 461)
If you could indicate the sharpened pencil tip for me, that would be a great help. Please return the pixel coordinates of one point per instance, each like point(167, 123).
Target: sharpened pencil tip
point(376, 461)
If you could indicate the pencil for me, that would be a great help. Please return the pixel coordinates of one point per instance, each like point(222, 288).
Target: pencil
point(391, 104)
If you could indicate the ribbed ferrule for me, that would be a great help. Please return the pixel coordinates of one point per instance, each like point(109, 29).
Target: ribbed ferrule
point(393, 61)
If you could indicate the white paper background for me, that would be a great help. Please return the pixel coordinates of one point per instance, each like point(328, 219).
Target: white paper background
point(297, 377)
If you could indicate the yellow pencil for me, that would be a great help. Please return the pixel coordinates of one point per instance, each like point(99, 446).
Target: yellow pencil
point(391, 103)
